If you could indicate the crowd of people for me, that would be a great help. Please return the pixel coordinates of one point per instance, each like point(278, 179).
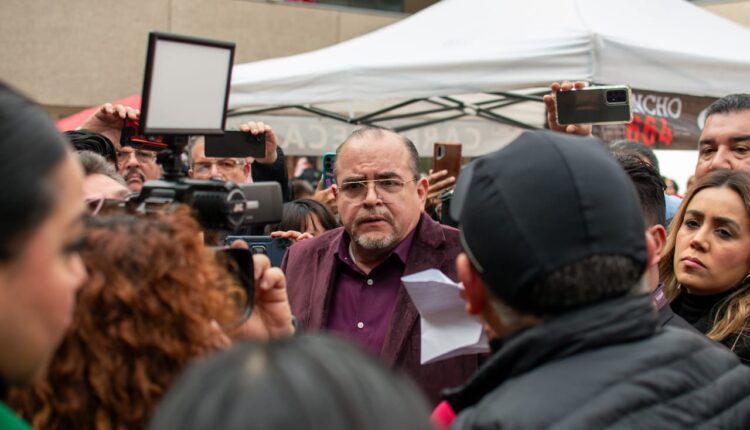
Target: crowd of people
point(608, 302)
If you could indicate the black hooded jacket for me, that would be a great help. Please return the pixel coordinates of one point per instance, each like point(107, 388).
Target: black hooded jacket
point(606, 366)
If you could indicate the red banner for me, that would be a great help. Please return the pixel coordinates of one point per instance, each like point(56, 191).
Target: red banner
point(661, 121)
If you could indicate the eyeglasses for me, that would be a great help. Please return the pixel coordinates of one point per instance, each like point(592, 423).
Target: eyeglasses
point(103, 206)
point(356, 190)
point(141, 155)
point(107, 206)
point(223, 166)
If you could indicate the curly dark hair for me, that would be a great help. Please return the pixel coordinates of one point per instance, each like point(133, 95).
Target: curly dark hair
point(150, 306)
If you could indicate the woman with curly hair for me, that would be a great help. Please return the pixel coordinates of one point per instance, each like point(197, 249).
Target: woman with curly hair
point(154, 301)
point(706, 268)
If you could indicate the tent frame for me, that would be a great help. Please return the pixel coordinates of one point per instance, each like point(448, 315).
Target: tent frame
point(452, 107)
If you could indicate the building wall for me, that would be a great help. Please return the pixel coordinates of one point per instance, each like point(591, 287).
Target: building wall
point(737, 11)
point(75, 53)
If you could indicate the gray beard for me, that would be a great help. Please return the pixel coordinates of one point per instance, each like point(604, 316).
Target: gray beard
point(373, 243)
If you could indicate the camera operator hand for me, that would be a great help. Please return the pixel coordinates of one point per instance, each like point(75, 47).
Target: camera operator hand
point(549, 101)
point(256, 128)
point(272, 316)
point(109, 120)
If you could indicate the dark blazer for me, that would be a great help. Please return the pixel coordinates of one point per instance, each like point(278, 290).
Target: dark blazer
point(310, 268)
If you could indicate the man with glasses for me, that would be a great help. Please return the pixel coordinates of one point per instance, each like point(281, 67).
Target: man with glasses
point(137, 166)
point(348, 280)
point(242, 170)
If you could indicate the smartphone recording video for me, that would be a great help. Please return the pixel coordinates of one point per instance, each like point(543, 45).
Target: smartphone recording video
point(236, 144)
point(273, 247)
point(328, 160)
point(239, 263)
point(447, 156)
point(594, 105)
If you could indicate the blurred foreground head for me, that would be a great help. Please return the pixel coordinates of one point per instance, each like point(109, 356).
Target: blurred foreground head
point(304, 382)
point(41, 208)
point(154, 302)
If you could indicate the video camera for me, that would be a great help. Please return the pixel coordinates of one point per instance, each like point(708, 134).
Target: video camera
point(185, 93)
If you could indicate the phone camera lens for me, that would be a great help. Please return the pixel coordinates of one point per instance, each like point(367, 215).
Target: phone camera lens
point(617, 96)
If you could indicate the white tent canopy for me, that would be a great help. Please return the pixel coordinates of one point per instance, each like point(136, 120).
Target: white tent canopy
point(475, 47)
point(479, 46)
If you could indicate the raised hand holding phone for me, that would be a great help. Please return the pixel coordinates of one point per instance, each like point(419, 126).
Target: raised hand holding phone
point(549, 102)
point(594, 105)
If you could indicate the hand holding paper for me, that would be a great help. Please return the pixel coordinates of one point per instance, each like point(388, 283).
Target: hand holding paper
point(447, 330)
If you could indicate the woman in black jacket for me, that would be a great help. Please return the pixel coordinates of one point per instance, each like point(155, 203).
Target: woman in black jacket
point(707, 266)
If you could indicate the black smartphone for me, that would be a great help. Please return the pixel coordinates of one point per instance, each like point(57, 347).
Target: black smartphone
point(273, 247)
point(239, 263)
point(328, 179)
point(236, 144)
point(594, 105)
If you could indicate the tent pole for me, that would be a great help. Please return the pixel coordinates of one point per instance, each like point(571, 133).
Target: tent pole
point(527, 97)
point(238, 112)
point(503, 119)
point(426, 123)
point(368, 116)
point(324, 113)
point(502, 104)
point(424, 112)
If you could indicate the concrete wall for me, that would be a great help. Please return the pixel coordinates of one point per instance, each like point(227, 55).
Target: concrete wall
point(737, 11)
point(74, 53)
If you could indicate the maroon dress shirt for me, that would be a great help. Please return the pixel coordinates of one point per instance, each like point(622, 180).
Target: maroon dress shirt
point(363, 303)
point(311, 268)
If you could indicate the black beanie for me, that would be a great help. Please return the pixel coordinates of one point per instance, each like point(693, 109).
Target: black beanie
point(544, 201)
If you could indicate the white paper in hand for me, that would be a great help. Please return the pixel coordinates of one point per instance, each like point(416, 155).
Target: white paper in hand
point(447, 330)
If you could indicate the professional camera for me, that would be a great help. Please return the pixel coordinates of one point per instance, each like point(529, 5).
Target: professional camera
point(185, 92)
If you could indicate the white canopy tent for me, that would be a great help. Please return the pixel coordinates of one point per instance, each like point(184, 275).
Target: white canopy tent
point(501, 53)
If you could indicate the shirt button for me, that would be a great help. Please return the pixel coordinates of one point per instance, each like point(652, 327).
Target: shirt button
point(369, 282)
point(360, 325)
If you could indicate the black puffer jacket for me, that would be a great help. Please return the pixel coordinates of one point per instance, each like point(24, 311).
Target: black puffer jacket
point(606, 366)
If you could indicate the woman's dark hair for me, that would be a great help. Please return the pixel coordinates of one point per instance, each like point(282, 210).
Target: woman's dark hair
point(30, 148)
point(296, 213)
point(304, 382)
